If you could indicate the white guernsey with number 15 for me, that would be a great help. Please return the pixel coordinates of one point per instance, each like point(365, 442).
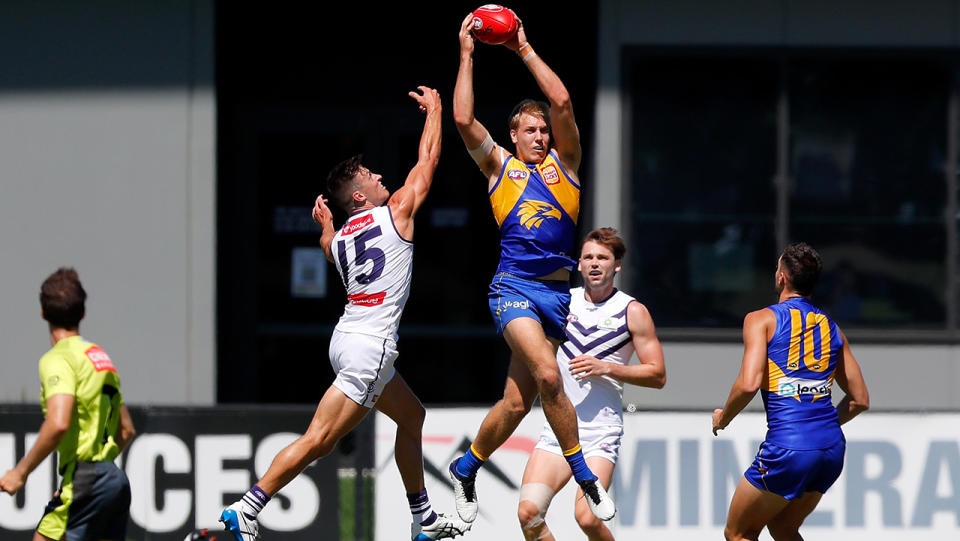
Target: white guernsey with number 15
point(376, 264)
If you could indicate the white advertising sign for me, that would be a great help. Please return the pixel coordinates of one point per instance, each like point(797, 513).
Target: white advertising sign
point(674, 479)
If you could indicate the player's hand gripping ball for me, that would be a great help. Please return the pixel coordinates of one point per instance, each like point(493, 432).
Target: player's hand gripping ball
point(494, 24)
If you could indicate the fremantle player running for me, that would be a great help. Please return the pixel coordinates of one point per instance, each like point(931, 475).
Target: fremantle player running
point(373, 252)
point(793, 352)
point(535, 195)
point(604, 328)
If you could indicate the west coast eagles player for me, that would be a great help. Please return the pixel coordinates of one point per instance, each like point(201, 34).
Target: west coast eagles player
point(793, 352)
point(85, 421)
point(373, 252)
point(535, 195)
point(604, 328)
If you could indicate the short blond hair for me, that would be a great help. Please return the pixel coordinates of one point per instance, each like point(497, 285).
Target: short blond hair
point(535, 108)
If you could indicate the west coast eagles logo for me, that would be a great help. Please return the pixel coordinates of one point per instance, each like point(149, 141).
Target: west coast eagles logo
point(533, 213)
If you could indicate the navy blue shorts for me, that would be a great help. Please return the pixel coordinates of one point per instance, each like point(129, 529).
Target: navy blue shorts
point(792, 473)
point(93, 503)
point(545, 301)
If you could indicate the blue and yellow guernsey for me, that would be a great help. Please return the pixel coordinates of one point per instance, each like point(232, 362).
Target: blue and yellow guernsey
point(536, 207)
point(802, 357)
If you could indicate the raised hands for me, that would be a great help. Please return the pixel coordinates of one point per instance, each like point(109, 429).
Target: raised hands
point(466, 35)
point(429, 99)
point(518, 40)
point(321, 213)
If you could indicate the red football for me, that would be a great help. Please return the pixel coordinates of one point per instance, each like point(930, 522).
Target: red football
point(494, 24)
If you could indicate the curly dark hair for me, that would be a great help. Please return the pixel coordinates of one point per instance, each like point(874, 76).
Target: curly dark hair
point(803, 265)
point(62, 299)
point(340, 184)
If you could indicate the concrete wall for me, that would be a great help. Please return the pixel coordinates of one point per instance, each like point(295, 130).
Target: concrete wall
point(700, 374)
point(107, 150)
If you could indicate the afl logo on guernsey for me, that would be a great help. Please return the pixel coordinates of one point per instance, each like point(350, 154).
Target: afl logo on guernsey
point(550, 174)
point(517, 174)
point(356, 225)
point(533, 213)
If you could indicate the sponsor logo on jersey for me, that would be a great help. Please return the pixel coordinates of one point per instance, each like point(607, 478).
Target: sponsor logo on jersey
point(356, 225)
point(607, 324)
point(533, 213)
point(550, 174)
point(799, 386)
point(572, 317)
point(523, 305)
point(367, 299)
point(517, 174)
point(101, 361)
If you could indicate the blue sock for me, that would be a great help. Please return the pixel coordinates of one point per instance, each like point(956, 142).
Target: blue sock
point(469, 464)
point(581, 472)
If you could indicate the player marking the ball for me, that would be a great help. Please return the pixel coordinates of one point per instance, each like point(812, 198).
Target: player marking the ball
point(535, 196)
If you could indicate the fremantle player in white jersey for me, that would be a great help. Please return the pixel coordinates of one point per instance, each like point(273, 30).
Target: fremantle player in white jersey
point(373, 252)
point(604, 328)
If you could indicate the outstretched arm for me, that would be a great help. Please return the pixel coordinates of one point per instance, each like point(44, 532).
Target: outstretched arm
point(649, 373)
point(55, 425)
point(566, 135)
point(748, 382)
point(405, 201)
point(850, 379)
point(324, 218)
point(475, 136)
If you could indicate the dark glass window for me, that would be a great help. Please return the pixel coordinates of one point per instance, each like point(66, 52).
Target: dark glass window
point(703, 159)
point(862, 143)
point(868, 146)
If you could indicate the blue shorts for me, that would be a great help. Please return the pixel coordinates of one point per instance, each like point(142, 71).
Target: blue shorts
point(791, 473)
point(93, 503)
point(545, 301)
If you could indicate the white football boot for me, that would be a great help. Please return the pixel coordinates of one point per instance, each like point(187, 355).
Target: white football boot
point(441, 528)
point(464, 494)
point(599, 501)
point(239, 525)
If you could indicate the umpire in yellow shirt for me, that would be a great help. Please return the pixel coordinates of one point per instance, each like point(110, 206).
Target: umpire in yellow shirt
point(85, 420)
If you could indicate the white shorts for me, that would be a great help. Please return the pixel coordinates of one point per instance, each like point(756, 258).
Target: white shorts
point(364, 365)
point(595, 440)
